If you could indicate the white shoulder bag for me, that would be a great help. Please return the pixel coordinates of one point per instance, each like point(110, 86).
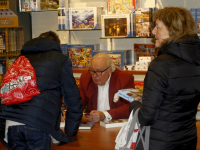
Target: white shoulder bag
point(128, 138)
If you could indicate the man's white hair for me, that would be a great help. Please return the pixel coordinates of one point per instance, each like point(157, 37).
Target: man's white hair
point(107, 57)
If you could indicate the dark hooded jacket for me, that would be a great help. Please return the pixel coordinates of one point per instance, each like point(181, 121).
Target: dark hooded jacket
point(171, 95)
point(55, 80)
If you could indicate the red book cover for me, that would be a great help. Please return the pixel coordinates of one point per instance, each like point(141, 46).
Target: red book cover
point(139, 85)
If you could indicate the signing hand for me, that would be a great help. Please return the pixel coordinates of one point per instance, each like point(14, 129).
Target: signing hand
point(95, 116)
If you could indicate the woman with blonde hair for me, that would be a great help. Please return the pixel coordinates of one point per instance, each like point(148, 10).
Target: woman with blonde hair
point(171, 86)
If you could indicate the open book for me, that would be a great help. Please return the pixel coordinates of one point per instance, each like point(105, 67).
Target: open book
point(83, 125)
point(129, 94)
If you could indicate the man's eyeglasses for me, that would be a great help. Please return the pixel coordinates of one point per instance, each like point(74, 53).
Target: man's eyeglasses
point(99, 73)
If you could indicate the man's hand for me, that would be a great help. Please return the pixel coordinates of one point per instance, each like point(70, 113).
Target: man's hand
point(95, 116)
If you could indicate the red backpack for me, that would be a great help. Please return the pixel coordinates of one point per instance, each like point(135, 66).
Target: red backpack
point(19, 83)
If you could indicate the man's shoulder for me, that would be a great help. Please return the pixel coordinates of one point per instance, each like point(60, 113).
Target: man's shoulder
point(122, 74)
point(86, 76)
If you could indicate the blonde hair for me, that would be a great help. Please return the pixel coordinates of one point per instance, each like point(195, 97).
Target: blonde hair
point(107, 57)
point(179, 22)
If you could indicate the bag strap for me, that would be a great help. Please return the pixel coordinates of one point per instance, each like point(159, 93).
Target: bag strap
point(132, 126)
point(135, 121)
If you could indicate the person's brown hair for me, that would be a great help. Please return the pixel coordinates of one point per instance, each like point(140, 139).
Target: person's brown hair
point(179, 22)
point(50, 35)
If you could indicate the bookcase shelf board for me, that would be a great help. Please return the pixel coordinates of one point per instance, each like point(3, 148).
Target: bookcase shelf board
point(82, 70)
point(37, 11)
point(80, 30)
point(123, 37)
point(10, 54)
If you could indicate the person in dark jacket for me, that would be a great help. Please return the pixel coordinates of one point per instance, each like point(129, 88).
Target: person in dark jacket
point(172, 83)
point(31, 124)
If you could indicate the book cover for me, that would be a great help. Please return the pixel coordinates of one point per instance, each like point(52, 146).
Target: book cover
point(64, 49)
point(139, 85)
point(119, 58)
point(34, 5)
point(77, 81)
point(120, 6)
point(27, 5)
point(145, 50)
point(129, 94)
point(193, 12)
point(86, 125)
point(143, 22)
point(198, 21)
point(49, 4)
point(2, 42)
point(81, 55)
point(63, 19)
point(85, 17)
point(116, 25)
point(113, 123)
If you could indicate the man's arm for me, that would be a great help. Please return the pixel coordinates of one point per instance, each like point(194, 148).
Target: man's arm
point(82, 93)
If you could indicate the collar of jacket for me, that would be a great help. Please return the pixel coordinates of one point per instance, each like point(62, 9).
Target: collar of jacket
point(40, 45)
point(188, 50)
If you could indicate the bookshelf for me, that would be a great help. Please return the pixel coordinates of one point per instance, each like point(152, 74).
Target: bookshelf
point(13, 42)
point(133, 72)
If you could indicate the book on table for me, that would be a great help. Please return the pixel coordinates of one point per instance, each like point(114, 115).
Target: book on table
point(86, 125)
point(129, 94)
point(113, 123)
point(82, 126)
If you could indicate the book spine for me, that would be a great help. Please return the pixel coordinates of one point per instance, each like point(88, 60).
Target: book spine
point(7, 40)
point(133, 3)
point(99, 13)
point(21, 5)
point(59, 19)
point(14, 40)
point(198, 21)
point(108, 6)
point(126, 97)
point(70, 19)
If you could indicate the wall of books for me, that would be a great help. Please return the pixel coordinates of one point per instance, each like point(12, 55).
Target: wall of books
point(118, 27)
point(81, 37)
point(11, 37)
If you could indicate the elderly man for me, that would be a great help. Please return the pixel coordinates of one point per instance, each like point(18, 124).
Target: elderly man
point(98, 88)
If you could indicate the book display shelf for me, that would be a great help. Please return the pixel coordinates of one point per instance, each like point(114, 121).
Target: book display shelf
point(11, 37)
point(11, 42)
point(113, 29)
point(133, 72)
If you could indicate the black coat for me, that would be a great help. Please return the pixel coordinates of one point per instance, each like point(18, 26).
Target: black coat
point(171, 95)
point(55, 80)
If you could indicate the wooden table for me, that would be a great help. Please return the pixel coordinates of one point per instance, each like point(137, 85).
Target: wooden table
point(98, 138)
